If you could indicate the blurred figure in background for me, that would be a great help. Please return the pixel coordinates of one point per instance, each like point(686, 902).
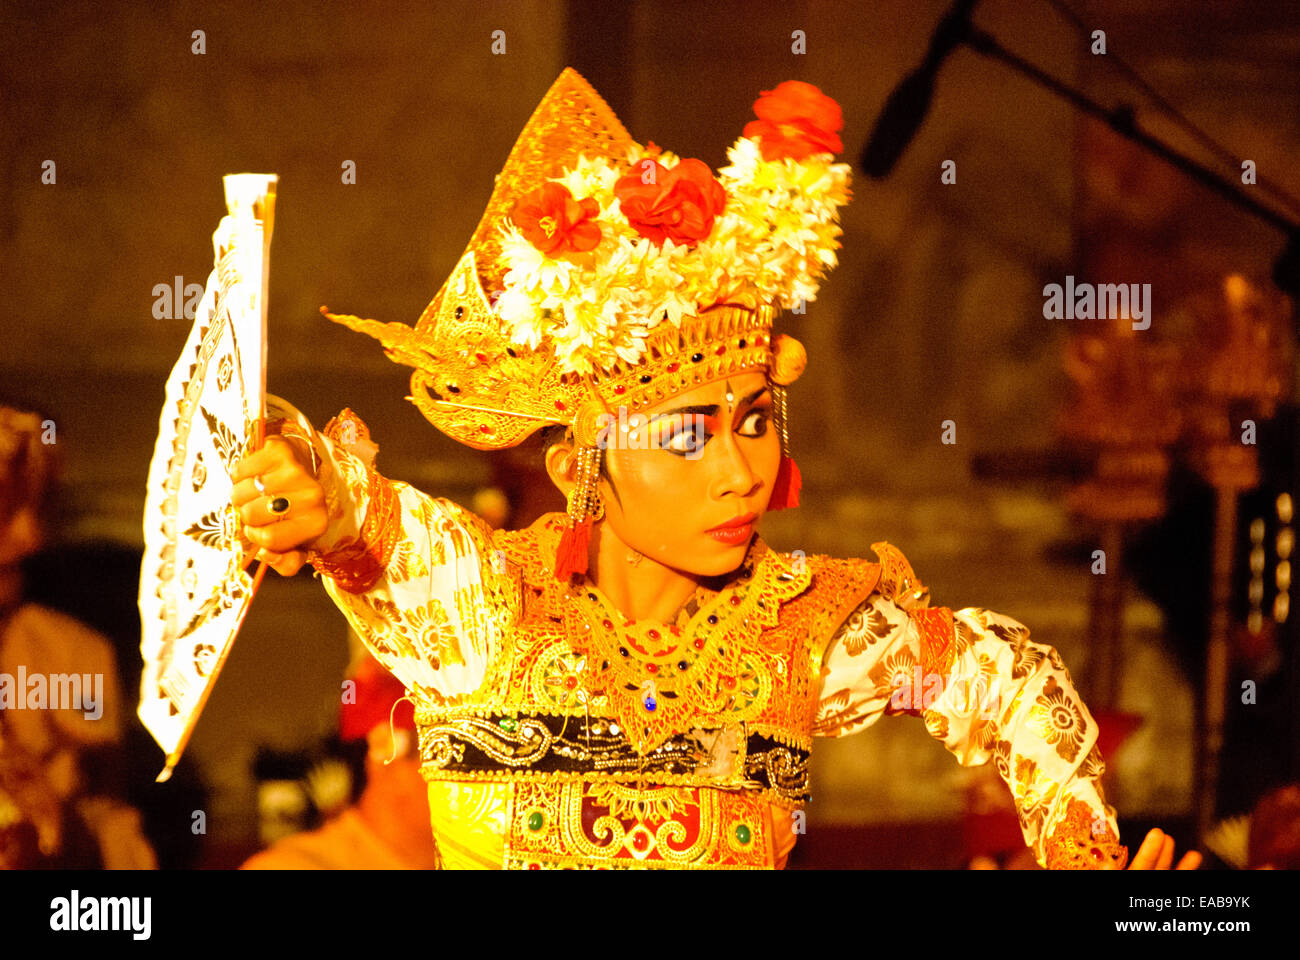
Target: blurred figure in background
point(58, 808)
point(387, 828)
point(1266, 838)
point(1275, 831)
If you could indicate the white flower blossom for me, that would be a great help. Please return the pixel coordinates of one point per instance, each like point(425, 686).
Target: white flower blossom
point(776, 237)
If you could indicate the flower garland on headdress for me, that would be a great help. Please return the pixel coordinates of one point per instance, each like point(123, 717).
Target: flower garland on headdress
point(602, 254)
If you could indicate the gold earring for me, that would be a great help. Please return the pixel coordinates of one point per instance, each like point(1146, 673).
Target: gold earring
point(584, 499)
point(584, 507)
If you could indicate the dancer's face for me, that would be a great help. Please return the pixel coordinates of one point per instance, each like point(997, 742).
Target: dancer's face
point(698, 460)
point(21, 530)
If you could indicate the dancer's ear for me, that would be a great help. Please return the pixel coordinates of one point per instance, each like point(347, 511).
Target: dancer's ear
point(561, 465)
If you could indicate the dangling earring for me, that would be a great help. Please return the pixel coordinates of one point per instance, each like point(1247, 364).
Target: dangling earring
point(584, 508)
point(785, 489)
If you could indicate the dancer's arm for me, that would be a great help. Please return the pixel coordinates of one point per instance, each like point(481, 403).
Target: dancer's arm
point(987, 692)
point(416, 576)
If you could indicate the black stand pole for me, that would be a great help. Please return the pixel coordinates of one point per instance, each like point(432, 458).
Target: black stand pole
point(1286, 271)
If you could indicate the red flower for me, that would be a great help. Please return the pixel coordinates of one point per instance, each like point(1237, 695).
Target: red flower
point(795, 120)
point(680, 204)
point(555, 223)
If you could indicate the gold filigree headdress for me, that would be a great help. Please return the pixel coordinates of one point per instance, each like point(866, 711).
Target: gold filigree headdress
point(605, 274)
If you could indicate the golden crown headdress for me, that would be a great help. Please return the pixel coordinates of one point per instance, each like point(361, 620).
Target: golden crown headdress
point(604, 273)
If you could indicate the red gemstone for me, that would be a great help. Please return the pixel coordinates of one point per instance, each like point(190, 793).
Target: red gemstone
point(570, 682)
point(640, 840)
point(652, 634)
point(651, 668)
point(559, 404)
point(735, 601)
point(481, 357)
point(484, 428)
point(721, 350)
point(620, 389)
point(607, 624)
point(672, 367)
point(699, 644)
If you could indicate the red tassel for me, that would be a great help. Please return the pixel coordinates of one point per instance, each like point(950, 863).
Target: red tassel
point(571, 557)
point(785, 491)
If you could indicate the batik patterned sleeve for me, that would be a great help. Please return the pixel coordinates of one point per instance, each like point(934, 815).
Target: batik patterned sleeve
point(417, 577)
point(988, 693)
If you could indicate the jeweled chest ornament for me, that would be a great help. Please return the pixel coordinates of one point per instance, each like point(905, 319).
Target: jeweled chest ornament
point(659, 679)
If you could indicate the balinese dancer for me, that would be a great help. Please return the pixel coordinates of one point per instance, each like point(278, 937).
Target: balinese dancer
point(638, 681)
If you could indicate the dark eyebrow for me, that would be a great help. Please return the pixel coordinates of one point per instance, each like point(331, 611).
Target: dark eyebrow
point(705, 409)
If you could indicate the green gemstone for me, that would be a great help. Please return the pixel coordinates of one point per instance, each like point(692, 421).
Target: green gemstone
point(742, 833)
point(508, 725)
point(535, 821)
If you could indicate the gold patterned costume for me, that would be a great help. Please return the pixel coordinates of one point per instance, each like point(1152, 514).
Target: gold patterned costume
point(539, 751)
point(555, 732)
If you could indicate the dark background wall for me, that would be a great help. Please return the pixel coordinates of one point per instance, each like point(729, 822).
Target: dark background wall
point(935, 312)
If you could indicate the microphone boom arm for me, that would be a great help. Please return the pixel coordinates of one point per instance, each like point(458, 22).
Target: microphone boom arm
point(1286, 272)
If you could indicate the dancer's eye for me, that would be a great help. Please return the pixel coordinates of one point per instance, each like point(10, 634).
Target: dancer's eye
point(755, 423)
point(689, 437)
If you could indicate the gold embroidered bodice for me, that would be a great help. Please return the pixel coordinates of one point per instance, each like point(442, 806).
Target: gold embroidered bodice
point(691, 730)
point(749, 655)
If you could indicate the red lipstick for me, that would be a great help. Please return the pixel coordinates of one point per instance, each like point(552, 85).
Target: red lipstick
point(734, 532)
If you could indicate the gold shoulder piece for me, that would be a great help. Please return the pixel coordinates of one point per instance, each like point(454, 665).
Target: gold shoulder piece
point(897, 581)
